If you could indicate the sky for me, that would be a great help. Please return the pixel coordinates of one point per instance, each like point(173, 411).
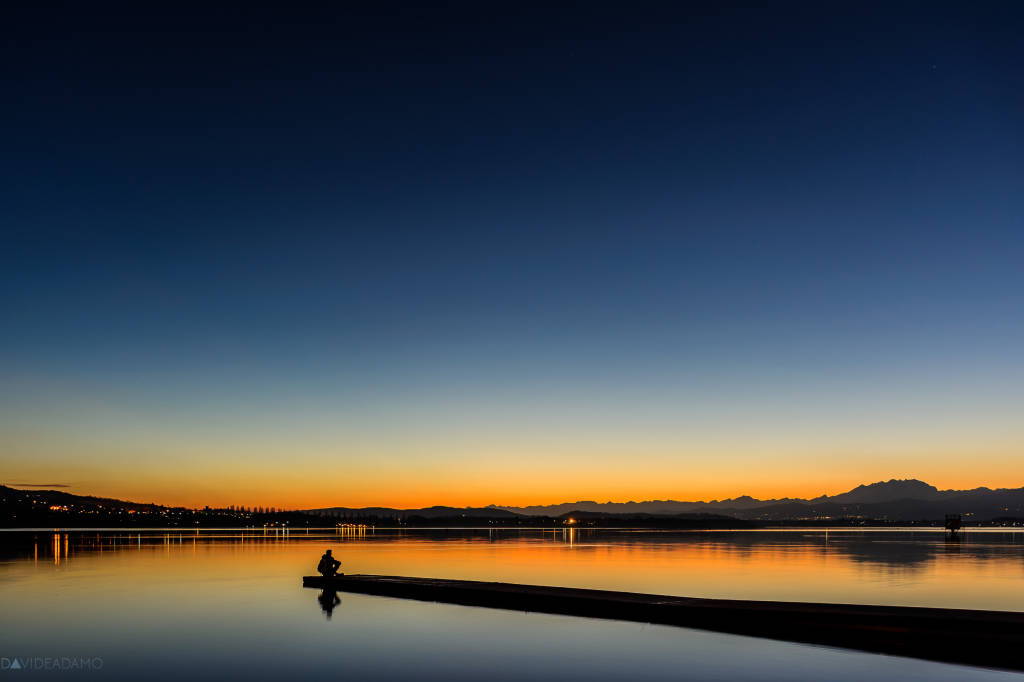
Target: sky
point(510, 253)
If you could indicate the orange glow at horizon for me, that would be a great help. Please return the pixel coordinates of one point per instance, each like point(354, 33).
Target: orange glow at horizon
point(512, 492)
point(461, 453)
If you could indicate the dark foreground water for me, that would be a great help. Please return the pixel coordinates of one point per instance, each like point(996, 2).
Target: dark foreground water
point(229, 604)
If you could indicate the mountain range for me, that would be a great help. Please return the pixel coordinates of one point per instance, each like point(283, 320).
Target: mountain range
point(886, 501)
point(883, 491)
point(895, 499)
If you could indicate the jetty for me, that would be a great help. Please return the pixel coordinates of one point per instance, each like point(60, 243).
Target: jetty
point(993, 639)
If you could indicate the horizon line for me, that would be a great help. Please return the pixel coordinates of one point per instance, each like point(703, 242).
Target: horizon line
point(508, 507)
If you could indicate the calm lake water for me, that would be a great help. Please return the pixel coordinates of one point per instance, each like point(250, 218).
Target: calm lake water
point(229, 604)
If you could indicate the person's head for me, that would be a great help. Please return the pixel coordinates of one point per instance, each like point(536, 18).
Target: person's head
point(327, 552)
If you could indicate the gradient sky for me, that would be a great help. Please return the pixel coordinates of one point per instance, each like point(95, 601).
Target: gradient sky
point(511, 254)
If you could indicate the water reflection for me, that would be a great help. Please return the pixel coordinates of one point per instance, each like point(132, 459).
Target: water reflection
point(978, 569)
point(230, 602)
point(328, 600)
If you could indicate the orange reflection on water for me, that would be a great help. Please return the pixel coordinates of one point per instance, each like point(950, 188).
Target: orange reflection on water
point(982, 570)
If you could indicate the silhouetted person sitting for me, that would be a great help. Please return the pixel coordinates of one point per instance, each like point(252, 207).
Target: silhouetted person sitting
point(328, 565)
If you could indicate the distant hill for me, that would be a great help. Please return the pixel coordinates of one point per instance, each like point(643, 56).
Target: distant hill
point(59, 509)
point(426, 512)
point(887, 491)
point(646, 507)
point(674, 521)
point(974, 505)
point(59, 498)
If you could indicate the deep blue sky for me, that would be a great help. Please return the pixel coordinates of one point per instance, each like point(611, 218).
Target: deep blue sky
point(384, 228)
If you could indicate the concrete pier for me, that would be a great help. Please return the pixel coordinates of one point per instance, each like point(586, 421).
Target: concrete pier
point(984, 638)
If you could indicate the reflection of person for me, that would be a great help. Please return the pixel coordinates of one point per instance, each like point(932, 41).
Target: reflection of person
point(328, 565)
point(328, 600)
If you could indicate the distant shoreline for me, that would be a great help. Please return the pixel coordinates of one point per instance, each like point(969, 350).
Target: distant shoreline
point(23, 508)
point(302, 530)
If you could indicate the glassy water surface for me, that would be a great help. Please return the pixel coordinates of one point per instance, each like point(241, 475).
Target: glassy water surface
point(215, 604)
